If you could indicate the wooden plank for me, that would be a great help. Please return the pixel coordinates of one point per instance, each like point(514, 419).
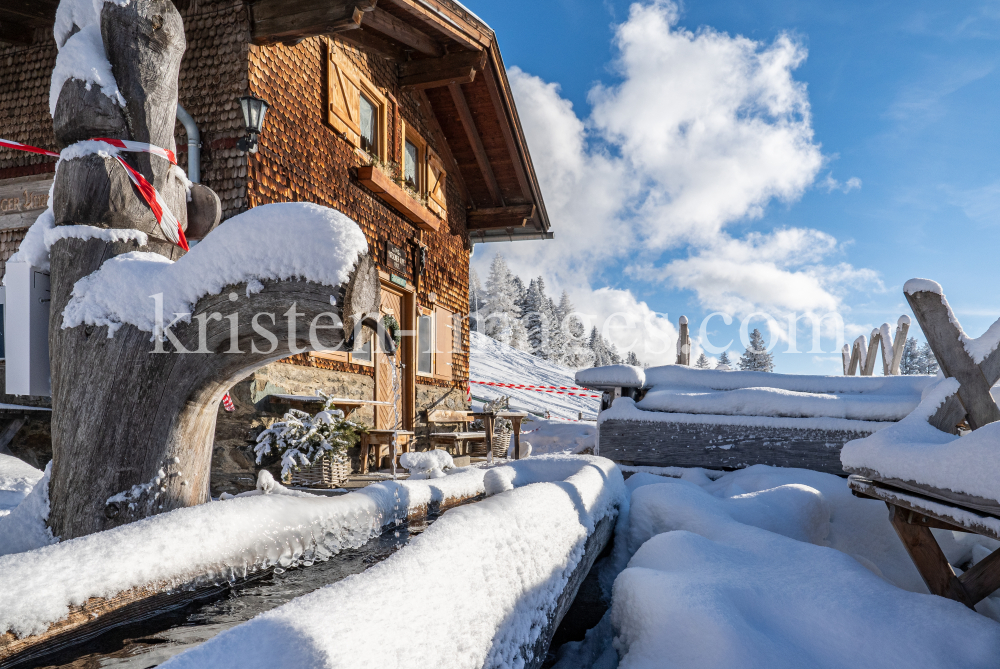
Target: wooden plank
point(929, 559)
point(388, 25)
point(872, 357)
point(464, 35)
point(669, 444)
point(469, 125)
point(281, 21)
point(983, 579)
point(979, 504)
point(969, 521)
point(456, 68)
point(942, 334)
point(397, 198)
point(855, 359)
point(898, 344)
point(32, 12)
point(9, 432)
point(440, 143)
point(493, 218)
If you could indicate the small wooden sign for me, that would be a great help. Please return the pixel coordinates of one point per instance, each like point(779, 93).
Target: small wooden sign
point(395, 258)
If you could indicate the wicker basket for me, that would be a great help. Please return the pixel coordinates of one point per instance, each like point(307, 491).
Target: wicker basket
point(322, 473)
point(501, 444)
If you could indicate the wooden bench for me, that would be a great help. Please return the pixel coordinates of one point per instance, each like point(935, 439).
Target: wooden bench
point(457, 442)
point(380, 441)
point(917, 506)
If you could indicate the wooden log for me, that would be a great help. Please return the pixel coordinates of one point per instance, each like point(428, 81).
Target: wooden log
point(983, 578)
point(898, 344)
point(929, 560)
point(456, 68)
point(943, 336)
point(872, 356)
point(275, 21)
point(472, 133)
point(383, 22)
point(720, 446)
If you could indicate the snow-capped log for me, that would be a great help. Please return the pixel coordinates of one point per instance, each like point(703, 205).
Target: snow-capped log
point(124, 416)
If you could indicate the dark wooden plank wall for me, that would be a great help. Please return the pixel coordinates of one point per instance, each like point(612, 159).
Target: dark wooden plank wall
point(663, 444)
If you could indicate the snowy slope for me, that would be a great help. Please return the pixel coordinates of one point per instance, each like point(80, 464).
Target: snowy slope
point(499, 363)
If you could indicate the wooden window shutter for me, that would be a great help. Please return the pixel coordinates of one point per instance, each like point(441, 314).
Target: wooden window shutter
point(444, 327)
point(342, 95)
point(436, 184)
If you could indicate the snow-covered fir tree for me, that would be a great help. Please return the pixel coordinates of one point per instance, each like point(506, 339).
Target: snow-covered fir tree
point(477, 300)
point(928, 362)
point(702, 362)
point(502, 317)
point(605, 353)
point(633, 359)
point(908, 363)
point(576, 351)
point(538, 319)
point(724, 362)
point(756, 358)
point(917, 359)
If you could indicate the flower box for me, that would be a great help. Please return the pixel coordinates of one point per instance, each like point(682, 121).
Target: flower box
point(393, 195)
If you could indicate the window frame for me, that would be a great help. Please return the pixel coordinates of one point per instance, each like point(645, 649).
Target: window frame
point(423, 312)
point(342, 73)
point(379, 101)
point(413, 137)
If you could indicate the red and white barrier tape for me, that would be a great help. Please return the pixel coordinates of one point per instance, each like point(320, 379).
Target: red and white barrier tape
point(227, 403)
point(530, 387)
point(168, 223)
point(537, 389)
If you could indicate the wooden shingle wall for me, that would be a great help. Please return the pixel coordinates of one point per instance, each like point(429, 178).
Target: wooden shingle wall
point(302, 159)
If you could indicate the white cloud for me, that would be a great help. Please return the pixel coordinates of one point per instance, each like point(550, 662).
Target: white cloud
point(702, 130)
point(832, 184)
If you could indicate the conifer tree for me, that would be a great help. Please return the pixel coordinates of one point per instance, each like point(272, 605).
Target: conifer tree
point(724, 362)
point(537, 319)
point(502, 320)
point(633, 359)
point(577, 351)
point(477, 300)
point(702, 362)
point(928, 363)
point(756, 358)
point(909, 362)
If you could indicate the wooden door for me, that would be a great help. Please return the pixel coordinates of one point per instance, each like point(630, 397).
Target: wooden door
point(385, 417)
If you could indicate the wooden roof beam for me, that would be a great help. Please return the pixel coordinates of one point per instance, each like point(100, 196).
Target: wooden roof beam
point(469, 124)
point(32, 12)
point(468, 37)
point(508, 137)
point(499, 218)
point(441, 144)
point(383, 22)
point(293, 20)
point(456, 68)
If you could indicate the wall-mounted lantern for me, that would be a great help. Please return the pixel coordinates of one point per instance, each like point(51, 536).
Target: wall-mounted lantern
point(253, 120)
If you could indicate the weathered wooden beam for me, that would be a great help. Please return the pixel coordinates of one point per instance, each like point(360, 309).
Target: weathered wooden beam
point(495, 218)
point(944, 337)
point(441, 144)
point(456, 68)
point(37, 12)
point(872, 357)
point(928, 558)
point(283, 21)
point(16, 33)
point(983, 579)
point(383, 22)
point(9, 432)
point(469, 124)
point(373, 42)
point(466, 36)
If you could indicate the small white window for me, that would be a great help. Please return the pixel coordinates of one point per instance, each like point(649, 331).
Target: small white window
point(425, 345)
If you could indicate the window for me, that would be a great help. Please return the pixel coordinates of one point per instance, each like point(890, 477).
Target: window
point(425, 344)
point(355, 107)
point(445, 341)
point(411, 163)
point(369, 125)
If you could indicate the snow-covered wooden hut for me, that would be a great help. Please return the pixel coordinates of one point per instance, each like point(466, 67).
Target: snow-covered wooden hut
point(681, 416)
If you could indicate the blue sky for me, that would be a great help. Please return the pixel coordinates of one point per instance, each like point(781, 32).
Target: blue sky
point(892, 173)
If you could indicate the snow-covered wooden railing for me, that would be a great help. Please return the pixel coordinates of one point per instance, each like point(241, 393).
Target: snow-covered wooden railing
point(864, 354)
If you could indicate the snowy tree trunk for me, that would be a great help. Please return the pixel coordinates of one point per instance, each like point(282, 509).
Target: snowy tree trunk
point(132, 429)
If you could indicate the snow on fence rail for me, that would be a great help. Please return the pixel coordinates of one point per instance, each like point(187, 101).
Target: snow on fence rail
point(481, 587)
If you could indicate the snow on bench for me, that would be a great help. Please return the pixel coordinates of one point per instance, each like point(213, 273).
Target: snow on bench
point(713, 418)
point(611, 376)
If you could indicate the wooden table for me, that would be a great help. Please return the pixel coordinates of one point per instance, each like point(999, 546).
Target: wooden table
point(313, 403)
point(379, 439)
point(489, 419)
